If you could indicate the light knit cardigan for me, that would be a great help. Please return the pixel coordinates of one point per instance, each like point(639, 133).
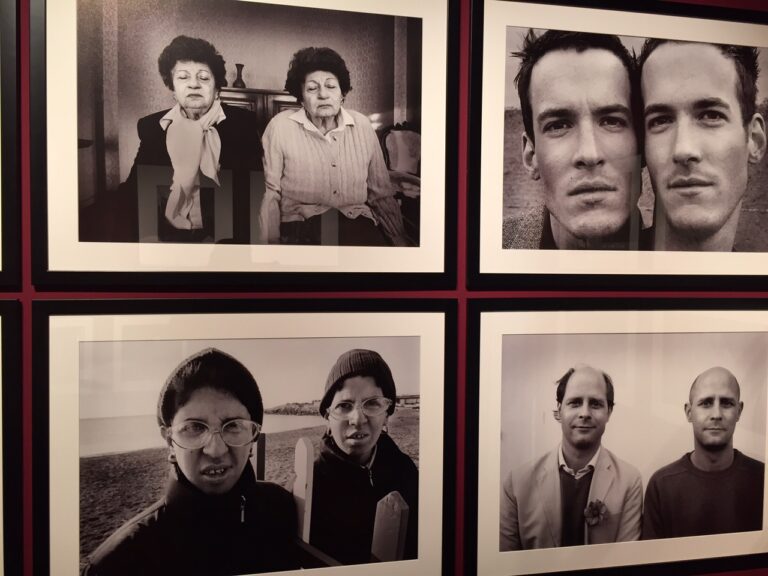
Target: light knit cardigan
point(307, 173)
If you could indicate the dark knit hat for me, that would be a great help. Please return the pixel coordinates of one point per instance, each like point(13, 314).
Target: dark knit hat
point(359, 362)
point(209, 368)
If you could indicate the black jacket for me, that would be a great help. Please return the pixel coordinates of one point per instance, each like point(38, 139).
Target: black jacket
point(345, 495)
point(251, 529)
point(241, 153)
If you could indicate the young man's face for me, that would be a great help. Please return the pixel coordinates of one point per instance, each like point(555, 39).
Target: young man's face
point(584, 411)
point(696, 145)
point(585, 150)
point(714, 409)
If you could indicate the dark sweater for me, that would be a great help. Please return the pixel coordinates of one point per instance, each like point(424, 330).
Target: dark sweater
point(251, 529)
point(682, 500)
point(345, 495)
point(574, 494)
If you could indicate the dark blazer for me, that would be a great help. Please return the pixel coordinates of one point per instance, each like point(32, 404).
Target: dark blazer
point(241, 153)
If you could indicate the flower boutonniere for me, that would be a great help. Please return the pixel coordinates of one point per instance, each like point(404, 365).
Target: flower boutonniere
point(595, 512)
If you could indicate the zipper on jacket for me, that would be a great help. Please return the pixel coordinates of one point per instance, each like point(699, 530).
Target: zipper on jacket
point(369, 465)
point(242, 509)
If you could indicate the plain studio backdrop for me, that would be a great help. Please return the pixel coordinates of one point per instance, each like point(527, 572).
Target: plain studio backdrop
point(651, 373)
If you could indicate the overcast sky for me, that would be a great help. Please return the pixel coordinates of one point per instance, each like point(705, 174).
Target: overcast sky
point(124, 378)
point(514, 40)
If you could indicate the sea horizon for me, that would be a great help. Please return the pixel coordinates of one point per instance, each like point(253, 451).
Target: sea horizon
point(119, 434)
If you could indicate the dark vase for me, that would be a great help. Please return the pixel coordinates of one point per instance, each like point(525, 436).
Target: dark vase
point(238, 83)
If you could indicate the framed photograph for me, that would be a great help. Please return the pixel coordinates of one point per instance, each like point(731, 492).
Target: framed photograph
point(627, 437)
point(131, 398)
point(247, 169)
point(11, 431)
point(586, 176)
point(10, 143)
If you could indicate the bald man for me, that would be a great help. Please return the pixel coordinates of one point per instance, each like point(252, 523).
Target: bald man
point(715, 489)
point(579, 493)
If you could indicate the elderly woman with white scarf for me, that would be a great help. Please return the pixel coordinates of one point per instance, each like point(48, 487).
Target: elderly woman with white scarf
point(198, 138)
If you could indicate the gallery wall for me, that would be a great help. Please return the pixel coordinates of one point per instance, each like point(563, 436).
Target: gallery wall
point(145, 94)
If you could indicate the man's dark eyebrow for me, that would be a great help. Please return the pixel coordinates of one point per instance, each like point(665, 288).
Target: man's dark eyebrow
point(554, 113)
point(701, 104)
point(613, 109)
point(711, 103)
point(657, 109)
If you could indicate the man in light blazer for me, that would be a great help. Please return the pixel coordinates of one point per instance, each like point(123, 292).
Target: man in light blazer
point(579, 493)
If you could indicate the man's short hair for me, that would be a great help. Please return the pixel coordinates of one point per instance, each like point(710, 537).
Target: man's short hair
point(563, 382)
point(535, 47)
point(743, 57)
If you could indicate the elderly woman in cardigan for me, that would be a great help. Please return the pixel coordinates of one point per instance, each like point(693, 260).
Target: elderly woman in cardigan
point(325, 175)
point(198, 138)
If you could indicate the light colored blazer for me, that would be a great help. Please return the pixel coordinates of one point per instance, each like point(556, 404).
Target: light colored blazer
point(531, 514)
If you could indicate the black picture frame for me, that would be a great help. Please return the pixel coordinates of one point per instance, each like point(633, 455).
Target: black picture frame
point(435, 317)
point(10, 143)
point(577, 276)
point(432, 264)
point(12, 473)
point(630, 309)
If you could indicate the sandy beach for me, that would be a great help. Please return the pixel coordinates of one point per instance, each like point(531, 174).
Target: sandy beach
point(116, 487)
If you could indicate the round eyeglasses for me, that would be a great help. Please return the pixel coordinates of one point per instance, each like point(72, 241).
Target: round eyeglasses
point(371, 407)
point(194, 434)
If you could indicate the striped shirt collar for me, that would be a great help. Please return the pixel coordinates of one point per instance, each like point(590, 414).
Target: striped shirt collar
point(301, 117)
point(583, 471)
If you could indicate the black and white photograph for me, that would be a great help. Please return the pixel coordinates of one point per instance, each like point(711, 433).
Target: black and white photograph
point(248, 136)
point(622, 138)
point(355, 399)
point(644, 431)
point(258, 444)
point(564, 190)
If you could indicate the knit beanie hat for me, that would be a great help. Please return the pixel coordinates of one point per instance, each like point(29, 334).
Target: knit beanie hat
point(359, 362)
point(209, 368)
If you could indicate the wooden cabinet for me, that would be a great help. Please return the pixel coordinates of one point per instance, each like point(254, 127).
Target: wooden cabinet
point(264, 103)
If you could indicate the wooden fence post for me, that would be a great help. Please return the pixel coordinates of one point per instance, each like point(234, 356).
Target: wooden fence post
point(390, 528)
point(303, 466)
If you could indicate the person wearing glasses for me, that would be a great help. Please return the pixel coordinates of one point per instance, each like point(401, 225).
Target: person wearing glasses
point(359, 463)
point(215, 517)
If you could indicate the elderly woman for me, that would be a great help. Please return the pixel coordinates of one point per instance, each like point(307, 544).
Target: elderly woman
point(197, 139)
point(359, 463)
point(325, 176)
point(214, 518)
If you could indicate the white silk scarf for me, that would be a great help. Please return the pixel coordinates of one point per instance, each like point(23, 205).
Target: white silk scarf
point(194, 146)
